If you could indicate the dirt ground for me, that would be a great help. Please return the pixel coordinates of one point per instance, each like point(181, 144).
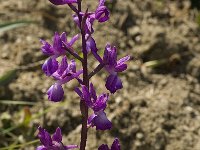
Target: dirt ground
point(159, 106)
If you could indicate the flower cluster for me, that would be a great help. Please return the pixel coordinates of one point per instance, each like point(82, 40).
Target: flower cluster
point(112, 66)
point(64, 70)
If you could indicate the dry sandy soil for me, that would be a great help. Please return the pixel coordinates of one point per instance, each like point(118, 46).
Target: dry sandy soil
point(159, 106)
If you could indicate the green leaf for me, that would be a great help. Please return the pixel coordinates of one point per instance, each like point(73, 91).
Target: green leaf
point(12, 102)
point(12, 25)
point(20, 145)
point(7, 77)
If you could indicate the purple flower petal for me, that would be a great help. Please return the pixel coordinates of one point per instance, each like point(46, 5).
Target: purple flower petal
point(50, 66)
point(55, 93)
point(57, 44)
point(89, 23)
point(44, 137)
point(62, 2)
point(69, 77)
point(91, 45)
point(113, 83)
point(46, 48)
point(115, 145)
point(63, 37)
point(74, 39)
point(57, 136)
point(123, 60)
point(121, 66)
point(103, 147)
point(102, 14)
point(101, 121)
point(110, 55)
point(63, 66)
point(100, 103)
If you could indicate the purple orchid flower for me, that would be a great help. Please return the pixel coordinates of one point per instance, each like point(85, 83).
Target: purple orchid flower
point(98, 105)
point(115, 146)
point(54, 142)
point(62, 2)
point(55, 50)
point(63, 74)
point(113, 82)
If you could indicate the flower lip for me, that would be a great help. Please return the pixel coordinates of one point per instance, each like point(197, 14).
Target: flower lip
point(55, 93)
point(101, 121)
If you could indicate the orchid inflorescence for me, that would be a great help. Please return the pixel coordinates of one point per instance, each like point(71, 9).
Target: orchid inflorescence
point(65, 70)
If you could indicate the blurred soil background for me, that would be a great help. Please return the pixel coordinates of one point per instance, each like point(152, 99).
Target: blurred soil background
point(159, 106)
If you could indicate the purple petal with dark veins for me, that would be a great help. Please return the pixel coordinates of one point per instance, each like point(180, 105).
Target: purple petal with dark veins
point(100, 103)
point(57, 44)
point(110, 55)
